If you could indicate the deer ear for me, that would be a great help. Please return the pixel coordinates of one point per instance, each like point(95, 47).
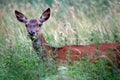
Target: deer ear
point(20, 17)
point(45, 15)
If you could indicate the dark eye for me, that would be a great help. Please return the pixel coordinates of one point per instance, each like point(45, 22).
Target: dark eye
point(40, 25)
point(26, 25)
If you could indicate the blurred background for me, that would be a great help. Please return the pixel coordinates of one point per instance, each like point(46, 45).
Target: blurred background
point(78, 22)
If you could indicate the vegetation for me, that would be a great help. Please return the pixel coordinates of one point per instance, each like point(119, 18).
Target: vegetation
point(71, 22)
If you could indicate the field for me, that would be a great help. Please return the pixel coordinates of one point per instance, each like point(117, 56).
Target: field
point(78, 22)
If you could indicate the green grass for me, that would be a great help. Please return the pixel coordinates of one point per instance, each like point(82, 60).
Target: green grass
point(85, 70)
point(71, 22)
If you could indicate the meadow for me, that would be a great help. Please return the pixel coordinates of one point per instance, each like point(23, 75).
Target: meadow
point(78, 22)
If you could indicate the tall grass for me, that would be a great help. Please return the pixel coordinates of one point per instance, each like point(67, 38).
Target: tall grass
point(71, 22)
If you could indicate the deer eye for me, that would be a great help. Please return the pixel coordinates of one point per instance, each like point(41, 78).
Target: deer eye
point(39, 25)
point(26, 25)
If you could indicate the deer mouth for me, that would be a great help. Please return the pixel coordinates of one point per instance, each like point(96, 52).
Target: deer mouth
point(33, 37)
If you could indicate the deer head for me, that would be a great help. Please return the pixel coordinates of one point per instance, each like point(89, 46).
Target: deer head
point(33, 25)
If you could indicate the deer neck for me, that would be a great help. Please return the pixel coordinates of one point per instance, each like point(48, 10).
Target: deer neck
point(45, 45)
point(40, 42)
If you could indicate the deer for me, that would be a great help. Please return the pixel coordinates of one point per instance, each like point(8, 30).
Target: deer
point(65, 54)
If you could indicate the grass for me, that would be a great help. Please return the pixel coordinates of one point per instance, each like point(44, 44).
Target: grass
point(71, 22)
point(88, 71)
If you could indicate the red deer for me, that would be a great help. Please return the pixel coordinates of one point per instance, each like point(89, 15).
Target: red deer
point(65, 54)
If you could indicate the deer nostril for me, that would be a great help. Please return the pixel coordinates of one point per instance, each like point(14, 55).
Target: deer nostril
point(32, 33)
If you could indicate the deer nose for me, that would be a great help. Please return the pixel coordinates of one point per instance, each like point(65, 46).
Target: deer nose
point(32, 33)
